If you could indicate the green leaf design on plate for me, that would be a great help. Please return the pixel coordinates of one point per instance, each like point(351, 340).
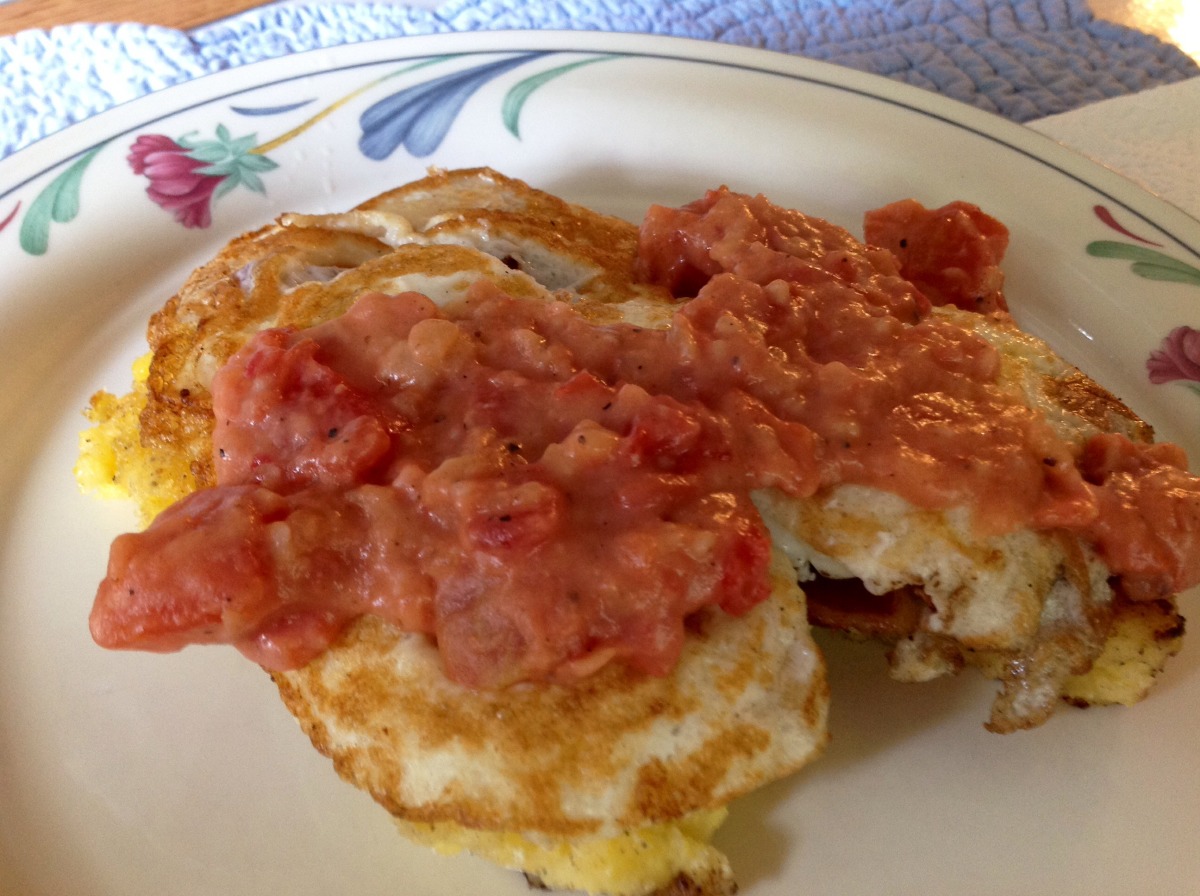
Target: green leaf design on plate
point(239, 170)
point(514, 100)
point(1147, 263)
point(232, 159)
point(57, 204)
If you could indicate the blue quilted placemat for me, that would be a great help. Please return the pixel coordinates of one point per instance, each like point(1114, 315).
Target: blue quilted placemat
point(1020, 58)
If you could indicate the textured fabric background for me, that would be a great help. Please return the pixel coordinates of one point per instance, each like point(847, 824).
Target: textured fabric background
point(1020, 58)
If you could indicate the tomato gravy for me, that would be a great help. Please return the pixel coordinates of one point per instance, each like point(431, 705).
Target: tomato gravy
point(542, 495)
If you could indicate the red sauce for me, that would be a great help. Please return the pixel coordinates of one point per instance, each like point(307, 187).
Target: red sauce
point(952, 254)
point(542, 495)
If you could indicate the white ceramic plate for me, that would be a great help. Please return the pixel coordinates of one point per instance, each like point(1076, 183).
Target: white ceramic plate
point(140, 774)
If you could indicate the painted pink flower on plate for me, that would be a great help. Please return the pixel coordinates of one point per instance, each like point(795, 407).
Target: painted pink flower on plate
point(187, 175)
point(177, 183)
point(1177, 358)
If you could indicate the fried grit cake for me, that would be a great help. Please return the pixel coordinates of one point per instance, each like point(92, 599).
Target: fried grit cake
point(611, 785)
point(1031, 609)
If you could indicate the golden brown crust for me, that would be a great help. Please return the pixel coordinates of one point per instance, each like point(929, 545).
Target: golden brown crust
point(1077, 393)
point(212, 315)
point(534, 223)
point(683, 884)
